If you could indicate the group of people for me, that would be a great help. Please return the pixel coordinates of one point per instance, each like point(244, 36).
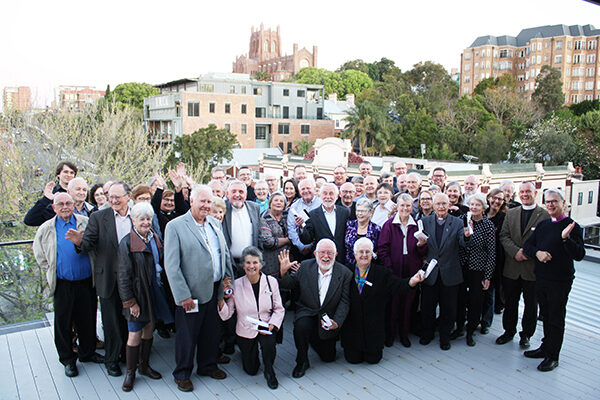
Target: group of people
point(361, 260)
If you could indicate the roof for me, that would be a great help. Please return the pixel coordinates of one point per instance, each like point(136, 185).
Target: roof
point(527, 34)
point(250, 156)
point(337, 106)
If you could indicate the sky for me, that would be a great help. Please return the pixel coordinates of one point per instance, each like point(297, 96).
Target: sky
point(44, 44)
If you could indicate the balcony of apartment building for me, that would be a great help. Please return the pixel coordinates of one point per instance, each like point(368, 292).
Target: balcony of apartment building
point(286, 112)
point(30, 369)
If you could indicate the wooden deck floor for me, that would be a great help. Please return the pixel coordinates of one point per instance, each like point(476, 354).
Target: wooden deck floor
point(29, 367)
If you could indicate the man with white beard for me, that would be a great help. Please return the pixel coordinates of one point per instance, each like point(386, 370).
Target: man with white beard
point(322, 306)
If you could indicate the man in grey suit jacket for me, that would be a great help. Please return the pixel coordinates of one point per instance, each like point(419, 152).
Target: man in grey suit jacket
point(196, 261)
point(518, 275)
point(324, 289)
point(446, 233)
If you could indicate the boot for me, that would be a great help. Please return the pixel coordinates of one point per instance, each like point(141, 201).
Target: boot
point(132, 355)
point(144, 367)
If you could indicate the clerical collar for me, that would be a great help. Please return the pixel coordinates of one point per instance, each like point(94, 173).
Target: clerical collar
point(440, 221)
point(528, 208)
point(559, 218)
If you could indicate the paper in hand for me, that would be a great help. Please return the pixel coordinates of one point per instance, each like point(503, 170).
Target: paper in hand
point(430, 267)
point(469, 222)
point(420, 234)
point(195, 309)
point(259, 325)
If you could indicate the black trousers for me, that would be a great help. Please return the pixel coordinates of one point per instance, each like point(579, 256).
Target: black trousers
point(74, 304)
point(249, 349)
point(357, 356)
point(446, 297)
point(306, 331)
point(552, 297)
point(474, 298)
point(115, 327)
point(512, 294)
point(197, 332)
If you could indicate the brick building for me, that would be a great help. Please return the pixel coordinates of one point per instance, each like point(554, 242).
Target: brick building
point(265, 55)
point(261, 114)
point(16, 98)
point(76, 97)
point(571, 49)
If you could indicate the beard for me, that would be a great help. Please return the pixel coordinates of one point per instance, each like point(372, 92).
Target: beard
point(326, 266)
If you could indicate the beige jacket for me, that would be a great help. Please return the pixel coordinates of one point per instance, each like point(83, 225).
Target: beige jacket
point(44, 248)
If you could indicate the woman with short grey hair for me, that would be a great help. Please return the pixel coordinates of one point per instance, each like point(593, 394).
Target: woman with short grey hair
point(360, 227)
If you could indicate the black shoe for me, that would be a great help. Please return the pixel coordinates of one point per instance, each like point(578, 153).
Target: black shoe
point(405, 341)
point(95, 358)
point(524, 342)
point(458, 332)
point(389, 342)
point(215, 374)
point(163, 333)
point(229, 349)
point(504, 338)
point(71, 369)
point(498, 310)
point(424, 341)
point(537, 353)
point(272, 382)
point(547, 365)
point(470, 340)
point(445, 346)
point(113, 369)
point(300, 370)
point(484, 329)
point(223, 359)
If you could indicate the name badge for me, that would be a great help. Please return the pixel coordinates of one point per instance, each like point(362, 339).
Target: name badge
point(368, 283)
point(269, 293)
point(533, 228)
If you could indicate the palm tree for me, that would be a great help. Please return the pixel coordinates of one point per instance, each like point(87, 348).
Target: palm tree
point(369, 127)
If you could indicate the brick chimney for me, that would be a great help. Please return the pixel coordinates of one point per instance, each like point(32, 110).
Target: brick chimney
point(332, 96)
point(350, 98)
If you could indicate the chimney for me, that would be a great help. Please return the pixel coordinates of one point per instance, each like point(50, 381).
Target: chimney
point(332, 96)
point(350, 98)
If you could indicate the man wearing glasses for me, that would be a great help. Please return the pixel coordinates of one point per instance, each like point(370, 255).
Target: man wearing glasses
point(101, 239)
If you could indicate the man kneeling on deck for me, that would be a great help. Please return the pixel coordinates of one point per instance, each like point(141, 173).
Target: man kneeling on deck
point(70, 282)
point(323, 302)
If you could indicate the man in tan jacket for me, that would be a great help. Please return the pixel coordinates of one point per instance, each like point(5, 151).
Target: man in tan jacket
point(69, 278)
point(518, 277)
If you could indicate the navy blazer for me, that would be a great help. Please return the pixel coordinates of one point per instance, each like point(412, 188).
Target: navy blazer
point(317, 228)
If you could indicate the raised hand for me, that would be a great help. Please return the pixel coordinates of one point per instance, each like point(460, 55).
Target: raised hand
point(48, 190)
point(74, 236)
point(567, 231)
point(285, 264)
point(160, 181)
point(176, 179)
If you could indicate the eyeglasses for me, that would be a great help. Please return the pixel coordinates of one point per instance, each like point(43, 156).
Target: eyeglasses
point(67, 204)
point(114, 197)
point(358, 211)
point(426, 199)
point(552, 201)
point(326, 252)
point(501, 199)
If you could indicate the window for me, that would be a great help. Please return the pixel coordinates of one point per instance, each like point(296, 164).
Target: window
point(579, 198)
point(578, 58)
point(590, 72)
point(204, 87)
point(592, 46)
point(286, 112)
point(320, 113)
point(559, 44)
point(467, 56)
point(232, 89)
point(569, 45)
point(577, 72)
point(257, 91)
point(588, 97)
point(337, 123)
point(579, 44)
point(243, 89)
point(228, 127)
point(506, 53)
point(211, 107)
point(289, 147)
point(546, 44)
point(305, 129)
point(283, 129)
point(505, 65)
point(244, 129)
point(589, 85)
point(539, 45)
point(576, 85)
point(281, 146)
point(286, 92)
point(467, 67)
point(260, 133)
point(261, 112)
point(539, 59)
point(193, 109)
point(466, 90)
point(178, 109)
point(244, 108)
point(590, 197)
point(227, 108)
point(558, 58)
point(467, 79)
point(591, 58)
point(299, 112)
point(300, 93)
point(476, 65)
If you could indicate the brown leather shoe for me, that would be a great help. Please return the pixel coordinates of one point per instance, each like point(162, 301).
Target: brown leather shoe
point(215, 374)
point(184, 385)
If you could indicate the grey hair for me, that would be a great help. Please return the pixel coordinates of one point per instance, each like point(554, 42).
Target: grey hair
point(404, 197)
point(440, 194)
point(357, 179)
point(507, 182)
point(254, 252)
point(62, 194)
point(331, 186)
point(434, 187)
point(325, 241)
point(454, 183)
point(480, 198)
point(236, 182)
point(311, 181)
point(364, 202)
point(73, 181)
point(386, 175)
point(416, 175)
point(361, 241)
point(143, 209)
point(196, 189)
point(214, 181)
point(557, 192)
point(262, 182)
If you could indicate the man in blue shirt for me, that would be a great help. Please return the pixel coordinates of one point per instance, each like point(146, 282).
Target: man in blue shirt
point(70, 282)
point(295, 220)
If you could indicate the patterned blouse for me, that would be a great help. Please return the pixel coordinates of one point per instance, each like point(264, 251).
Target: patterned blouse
point(481, 254)
point(270, 231)
point(352, 236)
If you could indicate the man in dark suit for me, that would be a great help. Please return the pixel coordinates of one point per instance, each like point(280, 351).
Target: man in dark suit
point(446, 233)
point(327, 221)
point(322, 305)
point(101, 240)
point(518, 275)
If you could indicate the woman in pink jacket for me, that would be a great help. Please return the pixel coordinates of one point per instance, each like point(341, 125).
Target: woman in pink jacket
point(259, 315)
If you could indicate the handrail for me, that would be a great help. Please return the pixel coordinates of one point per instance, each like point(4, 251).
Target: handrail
point(16, 242)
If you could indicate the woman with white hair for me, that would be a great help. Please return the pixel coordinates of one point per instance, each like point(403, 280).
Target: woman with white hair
point(141, 290)
point(363, 331)
point(478, 261)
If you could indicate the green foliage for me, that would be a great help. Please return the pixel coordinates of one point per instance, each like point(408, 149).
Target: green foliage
point(303, 146)
point(131, 94)
point(261, 76)
point(585, 107)
point(548, 94)
point(375, 70)
point(202, 150)
point(490, 144)
point(342, 83)
point(369, 128)
point(550, 142)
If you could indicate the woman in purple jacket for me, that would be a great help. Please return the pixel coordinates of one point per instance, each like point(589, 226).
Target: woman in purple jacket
point(400, 251)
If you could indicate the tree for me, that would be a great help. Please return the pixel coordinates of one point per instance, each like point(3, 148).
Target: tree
point(302, 147)
point(548, 94)
point(132, 94)
point(549, 141)
point(202, 150)
point(352, 81)
point(347, 81)
point(585, 106)
point(261, 76)
point(490, 144)
point(369, 129)
point(358, 65)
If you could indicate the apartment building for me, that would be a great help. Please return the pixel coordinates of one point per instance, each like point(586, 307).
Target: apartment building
point(76, 97)
point(16, 98)
point(261, 114)
point(571, 49)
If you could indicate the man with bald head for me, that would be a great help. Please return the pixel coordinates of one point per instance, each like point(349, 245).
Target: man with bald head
point(319, 313)
point(296, 216)
point(518, 275)
point(69, 277)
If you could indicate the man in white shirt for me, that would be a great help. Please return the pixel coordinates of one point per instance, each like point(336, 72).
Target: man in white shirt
point(319, 313)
